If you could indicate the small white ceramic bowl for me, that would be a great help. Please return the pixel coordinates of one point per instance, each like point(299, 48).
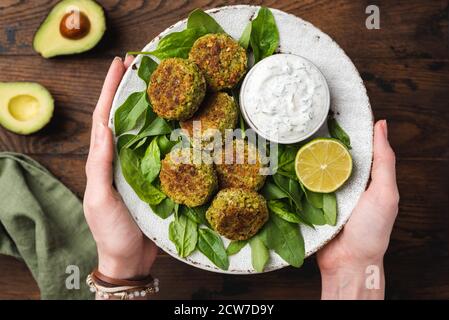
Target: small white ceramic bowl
point(320, 111)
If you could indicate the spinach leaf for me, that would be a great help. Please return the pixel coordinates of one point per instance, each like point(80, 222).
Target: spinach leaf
point(146, 69)
point(285, 239)
point(150, 115)
point(235, 246)
point(198, 19)
point(165, 144)
point(288, 174)
point(314, 198)
point(157, 127)
point(130, 164)
point(246, 36)
point(312, 214)
point(197, 214)
point(259, 253)
point(264, 35)
point(151, 161)
point(175, 44)
point(183, 233)
point(290, 187)
point(211, 245)
point(176, 210)
point(282, 210)
point(126, 116)
point(123, 140)
point(286, 161)
point(164, 209)
point(330, 208)
point(272, 192)
point(337, 132)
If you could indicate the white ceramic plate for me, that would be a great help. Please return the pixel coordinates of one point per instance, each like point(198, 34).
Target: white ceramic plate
point(349, 101)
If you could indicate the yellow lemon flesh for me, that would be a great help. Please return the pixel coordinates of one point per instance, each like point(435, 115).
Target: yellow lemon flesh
point(323, 165)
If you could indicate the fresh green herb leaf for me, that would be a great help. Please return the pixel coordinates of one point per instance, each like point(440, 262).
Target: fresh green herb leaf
point(123, 140)
point(246, 36)
point(151, 161)
point(285, 239)
point(287, 158)
point(272, 192)
point(312, 214)
point(197, 214)
point(235, 246)
point(337, 132)
point(130, 164)
point(283, 211)
point(126, 116)
point(164, 209)
point(198, 19)
point(175, 44)
point(330, 208)
point(259, 253)
point(158, 127)
point(183, 233)
point(290, 187)
point(176, 210)
point(146, 69)
point(211, 245)
point(150, 115)
point(314, 198)
point(165, 144)
point(264, 35)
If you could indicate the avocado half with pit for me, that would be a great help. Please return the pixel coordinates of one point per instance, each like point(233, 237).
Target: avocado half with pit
point(72, 26)
point(25, 107)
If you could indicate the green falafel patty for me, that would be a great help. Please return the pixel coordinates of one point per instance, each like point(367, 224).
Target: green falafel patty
point(237, 214)
point(176, 89)
point(239, 166)
point(217, 112)
point(221, 59)
point(186, 182)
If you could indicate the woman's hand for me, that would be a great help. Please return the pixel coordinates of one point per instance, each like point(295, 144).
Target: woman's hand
point(347, 261)
point(123, 251)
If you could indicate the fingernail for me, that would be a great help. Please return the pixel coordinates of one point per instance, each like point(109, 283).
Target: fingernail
point(385, 128)
point(100, 131)
point(118, 59)
point(126, 56)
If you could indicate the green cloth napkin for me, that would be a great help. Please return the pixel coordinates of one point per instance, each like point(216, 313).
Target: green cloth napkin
point(42, 223)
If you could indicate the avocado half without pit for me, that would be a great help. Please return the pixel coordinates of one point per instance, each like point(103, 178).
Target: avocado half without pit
point(25, 107)
point(72, 26)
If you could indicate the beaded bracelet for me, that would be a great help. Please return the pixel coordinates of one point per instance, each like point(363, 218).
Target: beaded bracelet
point(108, 288)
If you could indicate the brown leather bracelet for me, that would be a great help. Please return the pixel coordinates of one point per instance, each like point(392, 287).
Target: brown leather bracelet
point(121, 282)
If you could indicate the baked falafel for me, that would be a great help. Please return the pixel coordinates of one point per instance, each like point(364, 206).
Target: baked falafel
point(176, 89)
point(217, 112)
point(237, 214)
point(244, 169)
point(185, 181)
point(221, 59)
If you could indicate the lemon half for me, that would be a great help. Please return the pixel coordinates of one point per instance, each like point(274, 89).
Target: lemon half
point(323, 165)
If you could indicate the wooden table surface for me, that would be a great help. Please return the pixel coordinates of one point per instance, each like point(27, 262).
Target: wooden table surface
point(405, 67)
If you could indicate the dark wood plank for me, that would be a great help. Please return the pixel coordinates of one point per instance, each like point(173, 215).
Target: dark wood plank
point(16, 281)
point(409, 29)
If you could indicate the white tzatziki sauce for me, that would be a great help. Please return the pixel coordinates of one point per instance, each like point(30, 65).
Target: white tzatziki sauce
point(284, 98)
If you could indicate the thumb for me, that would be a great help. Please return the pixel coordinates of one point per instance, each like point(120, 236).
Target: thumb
point(99, 162)
point(384, 161)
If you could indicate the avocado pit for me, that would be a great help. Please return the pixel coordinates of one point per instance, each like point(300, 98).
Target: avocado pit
point(74, 25)
point(23, 107)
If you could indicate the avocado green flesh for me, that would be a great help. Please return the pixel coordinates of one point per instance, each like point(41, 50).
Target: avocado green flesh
point(48, 40)
point(25, 107)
